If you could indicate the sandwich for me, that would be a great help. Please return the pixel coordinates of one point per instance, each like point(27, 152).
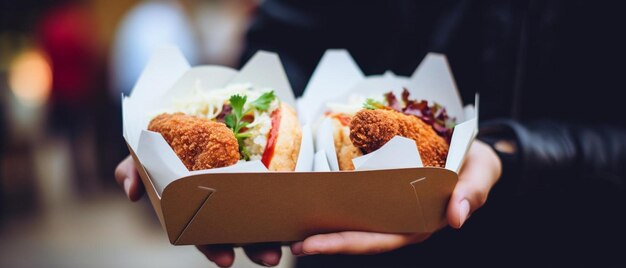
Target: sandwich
point(221, 127)
point(368, 128)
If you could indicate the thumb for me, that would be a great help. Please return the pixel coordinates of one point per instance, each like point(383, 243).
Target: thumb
point(463, 202)
point(480, 172)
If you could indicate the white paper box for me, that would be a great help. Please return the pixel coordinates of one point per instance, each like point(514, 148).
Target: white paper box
point(220, 205)
point(431, 81)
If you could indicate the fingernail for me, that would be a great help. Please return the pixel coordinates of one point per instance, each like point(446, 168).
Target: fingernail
point(268, 259)
point(463, 212)
point(308, 253)
point(127, 183)
point(296, 249)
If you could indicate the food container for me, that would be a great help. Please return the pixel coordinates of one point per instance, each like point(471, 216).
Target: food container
point(389, 192)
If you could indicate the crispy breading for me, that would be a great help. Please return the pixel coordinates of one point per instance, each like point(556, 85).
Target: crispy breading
point(200, 143)
point(371, 129)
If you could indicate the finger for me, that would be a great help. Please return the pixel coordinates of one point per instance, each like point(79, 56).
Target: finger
point(296, 248)
point(268, 254)
point(478, 175)
point(121, 171)
point(127, 177)
point(354, 243)
point(221, 255)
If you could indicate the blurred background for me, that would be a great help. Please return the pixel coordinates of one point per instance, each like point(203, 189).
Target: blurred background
point(63, 67)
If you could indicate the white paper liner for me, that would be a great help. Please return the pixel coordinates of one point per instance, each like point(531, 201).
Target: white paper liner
point(169, 75)
point(431, 81)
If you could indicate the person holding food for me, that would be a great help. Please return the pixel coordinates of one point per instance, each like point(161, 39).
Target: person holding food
point(552, 145)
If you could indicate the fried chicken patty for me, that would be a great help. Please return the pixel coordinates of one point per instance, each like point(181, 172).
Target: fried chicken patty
point(200, 143)
point(371, 129)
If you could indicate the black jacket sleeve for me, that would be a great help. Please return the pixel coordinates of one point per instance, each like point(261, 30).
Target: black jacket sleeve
point(549, 154)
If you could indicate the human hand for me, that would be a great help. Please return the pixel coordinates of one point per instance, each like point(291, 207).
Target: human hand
point(481, 170)
point(223, 255)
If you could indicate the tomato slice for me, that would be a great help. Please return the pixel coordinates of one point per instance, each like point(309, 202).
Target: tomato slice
point(343, 119)
point(271, 139)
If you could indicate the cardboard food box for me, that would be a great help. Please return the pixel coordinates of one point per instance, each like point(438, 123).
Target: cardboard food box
point(388, 192)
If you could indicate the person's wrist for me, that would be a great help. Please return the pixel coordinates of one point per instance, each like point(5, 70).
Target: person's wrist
point(506, 137)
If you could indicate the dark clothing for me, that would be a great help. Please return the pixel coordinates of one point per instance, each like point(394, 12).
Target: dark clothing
point(549, 75)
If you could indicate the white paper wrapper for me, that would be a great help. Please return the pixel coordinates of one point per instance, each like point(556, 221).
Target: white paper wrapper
point(168, 76)
point(338, 76)
point(217, 209)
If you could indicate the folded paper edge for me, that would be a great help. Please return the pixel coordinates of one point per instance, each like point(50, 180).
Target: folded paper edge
point(266, 66)
point(431, 222)
point(420, 213)
point(423, 78)
point(149, 141)
point(461, 141)
point(210, 192)
point(335, 73)
point(151, 192)
point(324, 141)
point(306, 154)
point(167, 57)
point(410, 152)
point(320, 162)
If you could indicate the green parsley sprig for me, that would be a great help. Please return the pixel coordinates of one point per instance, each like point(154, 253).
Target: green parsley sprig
point(234, 119)
point(373, 104)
